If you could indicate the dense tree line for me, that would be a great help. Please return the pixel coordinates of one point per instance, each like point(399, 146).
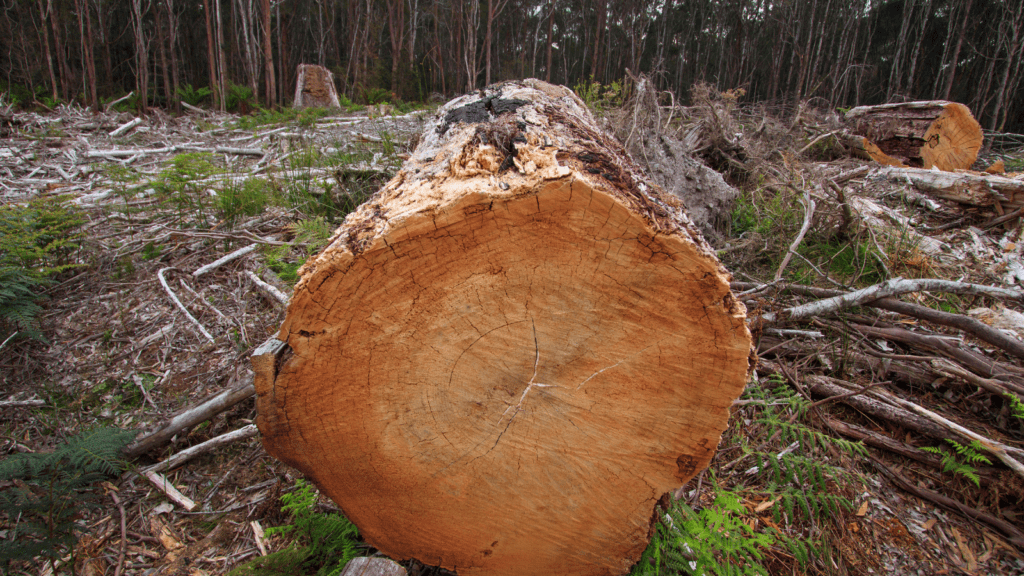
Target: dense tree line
point(834, 52)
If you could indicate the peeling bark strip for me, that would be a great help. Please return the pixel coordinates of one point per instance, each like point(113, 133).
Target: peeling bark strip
point(505, 358)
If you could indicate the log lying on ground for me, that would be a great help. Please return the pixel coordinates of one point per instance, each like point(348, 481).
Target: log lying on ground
point(508, 355)
point(974, 189)
point(918, 134)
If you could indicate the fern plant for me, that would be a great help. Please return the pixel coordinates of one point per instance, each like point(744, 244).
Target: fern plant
point(713, 541)
point(192, 96)
point(800, 478)
point(963, 459)
point(324, 543)
point(46, 492)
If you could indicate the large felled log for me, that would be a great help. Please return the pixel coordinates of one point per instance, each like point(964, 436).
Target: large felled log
point(917, 134)
point(508, 355)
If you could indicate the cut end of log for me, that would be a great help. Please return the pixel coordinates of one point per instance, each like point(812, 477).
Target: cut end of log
point(506, 357)
point(315, 88)
point(925, 134)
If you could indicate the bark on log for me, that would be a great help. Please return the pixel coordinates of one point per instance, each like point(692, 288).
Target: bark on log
point(314, 88)
point(918, 134)
point(505, 358)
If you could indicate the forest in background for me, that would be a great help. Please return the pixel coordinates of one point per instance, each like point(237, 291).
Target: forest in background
point(243, 53)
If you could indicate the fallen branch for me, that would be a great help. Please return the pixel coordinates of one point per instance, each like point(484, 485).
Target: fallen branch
point(980, 364)
point(816, 140)
point(21, 403)
point(851, 174)
point(224, 260)
point(124, 539)
point(174, 297)
point(267, 288)
point(997, 448)
point(118, 101)
point(826, 386)
point(950, 370)
point(192, 108)
point(967, 324)
point(204, 447)
point(1015, 536)
point(191, 417)
point(126, 127)
point(163, 485)
point(808, 204)
point(888, 288)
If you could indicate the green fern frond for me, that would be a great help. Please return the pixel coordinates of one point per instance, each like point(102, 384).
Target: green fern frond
point(963, 459)
point(324, 543)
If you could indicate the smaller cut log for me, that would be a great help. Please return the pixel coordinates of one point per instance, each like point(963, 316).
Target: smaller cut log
point(917, 134)
point(315, 88)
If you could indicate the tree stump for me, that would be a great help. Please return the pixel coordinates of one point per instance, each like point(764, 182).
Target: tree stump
point(917, 134)
point(509, 354)
point(314, 88)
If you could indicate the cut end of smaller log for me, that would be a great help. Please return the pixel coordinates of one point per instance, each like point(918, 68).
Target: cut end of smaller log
point(924, 134)
point(315, 88)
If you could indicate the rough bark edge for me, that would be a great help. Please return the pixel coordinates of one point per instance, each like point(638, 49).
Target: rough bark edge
point(606, 164)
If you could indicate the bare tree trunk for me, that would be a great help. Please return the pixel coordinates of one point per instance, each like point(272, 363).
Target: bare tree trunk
point(172, 35)
point(492, 13)
point(1013, 50)
point(141, 54)
point(917, 45)
point(108, 67)
point(268, 54)
point(211, 54)
point(551, 22)
point(895, 73)
point(396, 30)
point(58, 46)
point(164, 67)
point(469, 52)
point(88, 59)
point(414, 12)
point(246, 11)
point(956, 51)
point(221, 60)
point(602, 14)
point(46, 49)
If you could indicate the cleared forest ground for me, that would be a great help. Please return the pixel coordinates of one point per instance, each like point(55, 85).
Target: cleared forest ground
point(169, 196)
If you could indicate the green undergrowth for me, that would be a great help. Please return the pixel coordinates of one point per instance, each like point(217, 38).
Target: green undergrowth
point(43, 495)
point(797, 474)
point(321, 543)
point(39, 241)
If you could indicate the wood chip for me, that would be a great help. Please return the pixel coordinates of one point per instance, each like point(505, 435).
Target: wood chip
point(863, 509)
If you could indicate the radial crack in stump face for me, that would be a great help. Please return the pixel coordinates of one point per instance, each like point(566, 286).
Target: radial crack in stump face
point(505, 380)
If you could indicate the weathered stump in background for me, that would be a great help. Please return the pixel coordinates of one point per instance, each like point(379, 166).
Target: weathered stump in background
point(917, 134)
point(314, 88)
point(507, 356)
